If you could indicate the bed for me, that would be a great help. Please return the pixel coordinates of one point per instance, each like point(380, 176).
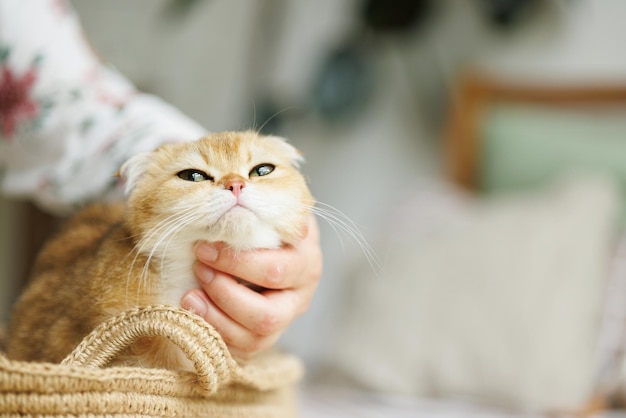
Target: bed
point(505, 283)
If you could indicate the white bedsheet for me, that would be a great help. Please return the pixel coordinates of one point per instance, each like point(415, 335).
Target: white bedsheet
point(317, 402)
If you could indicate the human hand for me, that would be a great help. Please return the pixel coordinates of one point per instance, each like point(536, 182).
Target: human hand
point(251, 321)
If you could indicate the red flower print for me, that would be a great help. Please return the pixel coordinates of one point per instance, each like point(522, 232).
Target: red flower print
point(16, 104)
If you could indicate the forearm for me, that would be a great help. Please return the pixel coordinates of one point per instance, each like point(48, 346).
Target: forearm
point(67, 121)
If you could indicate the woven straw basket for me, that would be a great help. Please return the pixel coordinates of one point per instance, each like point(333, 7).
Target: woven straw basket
point(82, 386)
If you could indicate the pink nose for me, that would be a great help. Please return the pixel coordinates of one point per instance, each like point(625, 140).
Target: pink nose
point(235, 186)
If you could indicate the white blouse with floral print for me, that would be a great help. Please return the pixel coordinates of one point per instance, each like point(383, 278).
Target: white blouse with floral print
point(67, 122)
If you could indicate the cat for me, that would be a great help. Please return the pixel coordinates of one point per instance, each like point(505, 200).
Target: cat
point(240, 188)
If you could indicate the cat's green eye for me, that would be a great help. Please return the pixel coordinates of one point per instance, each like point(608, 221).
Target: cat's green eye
point(194, 175)
point(261, 170)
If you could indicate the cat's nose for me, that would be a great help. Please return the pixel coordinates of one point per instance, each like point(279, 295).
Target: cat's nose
point(235, 186)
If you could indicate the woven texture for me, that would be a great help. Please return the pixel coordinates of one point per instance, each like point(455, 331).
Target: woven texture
point(82, 385)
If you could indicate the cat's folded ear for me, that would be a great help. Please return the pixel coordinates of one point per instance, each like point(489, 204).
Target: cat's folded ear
point(133, 169)
point(294, 154)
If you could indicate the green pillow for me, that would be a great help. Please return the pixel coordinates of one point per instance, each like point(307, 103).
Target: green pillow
point(525, 146)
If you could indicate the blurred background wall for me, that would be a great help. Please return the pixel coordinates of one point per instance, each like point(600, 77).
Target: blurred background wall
point(364, 97)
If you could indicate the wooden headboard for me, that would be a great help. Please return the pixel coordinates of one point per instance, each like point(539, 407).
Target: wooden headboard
point(475, 93)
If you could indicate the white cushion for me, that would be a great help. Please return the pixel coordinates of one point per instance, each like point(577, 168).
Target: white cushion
point(495, 301)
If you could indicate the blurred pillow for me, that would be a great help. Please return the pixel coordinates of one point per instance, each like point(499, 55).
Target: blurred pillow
point(499, 302)
point(526, 145)
point(612, 338)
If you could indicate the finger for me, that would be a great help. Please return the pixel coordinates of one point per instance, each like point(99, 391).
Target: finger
point(241, 343)
point(264, 313)
point(287, 267)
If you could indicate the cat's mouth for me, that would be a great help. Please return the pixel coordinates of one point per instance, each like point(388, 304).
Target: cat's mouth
point(237, 210)
point(239, 207)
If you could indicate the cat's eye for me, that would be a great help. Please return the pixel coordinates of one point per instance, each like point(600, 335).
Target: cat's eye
point(194, 175)
point(261, 170)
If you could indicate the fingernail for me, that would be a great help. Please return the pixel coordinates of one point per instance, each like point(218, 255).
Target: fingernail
point(206, 252)
point(204, 273)
point(304, 231)
point(195, 304)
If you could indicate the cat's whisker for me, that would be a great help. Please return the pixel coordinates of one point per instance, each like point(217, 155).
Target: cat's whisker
point(173, 228)
point(166, 224)
point(254, 116)
point(138, 249)
point(164, 230)
point(269, 119)
point(340, 222)
point(332, 223)
point(190, 218)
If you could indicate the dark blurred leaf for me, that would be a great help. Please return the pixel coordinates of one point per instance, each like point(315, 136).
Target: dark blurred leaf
point(506, 13)
point(395, 15)
point(180, 9)
point(344, 83)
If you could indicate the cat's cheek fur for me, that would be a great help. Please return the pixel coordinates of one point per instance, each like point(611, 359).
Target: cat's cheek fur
point(177, 271)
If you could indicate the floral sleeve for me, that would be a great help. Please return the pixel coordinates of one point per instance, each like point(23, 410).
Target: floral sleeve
point(67, 122)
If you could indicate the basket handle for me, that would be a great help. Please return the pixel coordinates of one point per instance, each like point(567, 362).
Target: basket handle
point(200, 342)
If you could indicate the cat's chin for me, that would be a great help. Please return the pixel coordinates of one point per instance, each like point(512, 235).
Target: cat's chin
point(241, 229)
point(238, 211)
point(259, 238)
point(239, 220)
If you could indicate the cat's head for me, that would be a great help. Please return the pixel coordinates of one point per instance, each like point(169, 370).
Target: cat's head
point(241, 188)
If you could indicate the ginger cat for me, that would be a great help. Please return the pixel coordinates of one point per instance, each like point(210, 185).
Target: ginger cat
point(237, 187)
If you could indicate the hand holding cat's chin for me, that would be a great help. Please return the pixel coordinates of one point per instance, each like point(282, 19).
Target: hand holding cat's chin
point(250, 321)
